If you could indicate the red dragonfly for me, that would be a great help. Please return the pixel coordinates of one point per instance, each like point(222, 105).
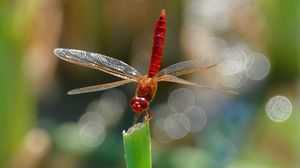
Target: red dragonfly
point(147, 84)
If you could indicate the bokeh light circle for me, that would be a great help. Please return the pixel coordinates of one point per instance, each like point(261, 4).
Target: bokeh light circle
point(112, 104)
point(279, 108)
point(258, 67)
point(177, 126)
point(159, 131)
point(92, 134)
point(231, 81)
point(162, 111)
point(231, 67)
point(197, 118)
point(231, 70)
point(37, 141)
point(91, 117)
point(180, 99)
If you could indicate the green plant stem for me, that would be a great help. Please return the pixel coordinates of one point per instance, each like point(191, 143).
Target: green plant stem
point(137, 145)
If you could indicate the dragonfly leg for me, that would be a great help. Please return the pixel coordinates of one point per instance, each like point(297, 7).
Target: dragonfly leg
point(149, 115)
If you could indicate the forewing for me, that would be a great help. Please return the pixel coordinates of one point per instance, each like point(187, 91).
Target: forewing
point(98, 87)
point(174, 79)
point(98, 61)
point(190, 66)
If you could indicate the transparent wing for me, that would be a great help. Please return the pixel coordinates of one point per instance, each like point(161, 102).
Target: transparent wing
point(97, 61)
point(174, 79)
point(98, 87)
point(190, 66)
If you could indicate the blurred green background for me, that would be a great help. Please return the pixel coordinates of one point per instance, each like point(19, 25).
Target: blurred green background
point(41, 126)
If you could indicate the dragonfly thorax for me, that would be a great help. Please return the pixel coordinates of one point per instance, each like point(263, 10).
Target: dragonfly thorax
point(147, 88)
point(144, 94)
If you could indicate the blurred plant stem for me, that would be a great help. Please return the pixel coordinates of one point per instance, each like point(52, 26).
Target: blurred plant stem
point(283, 39)
point(17, 101)
point(137, 145)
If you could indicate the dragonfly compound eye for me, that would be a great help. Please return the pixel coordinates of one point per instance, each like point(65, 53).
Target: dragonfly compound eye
point(139, 104)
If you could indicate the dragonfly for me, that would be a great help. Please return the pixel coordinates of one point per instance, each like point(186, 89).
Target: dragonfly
point(146, 84)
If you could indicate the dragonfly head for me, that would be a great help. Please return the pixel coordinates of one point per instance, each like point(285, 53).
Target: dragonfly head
point(139, 104)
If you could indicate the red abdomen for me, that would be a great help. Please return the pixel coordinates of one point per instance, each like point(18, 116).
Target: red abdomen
point(158, 44)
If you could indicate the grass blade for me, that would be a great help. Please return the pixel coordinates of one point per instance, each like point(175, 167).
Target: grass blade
point(137, 145)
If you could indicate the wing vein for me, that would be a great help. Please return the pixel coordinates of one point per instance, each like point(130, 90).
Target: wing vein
point(97, 61)
point(99, 87)
point(174, 79)
point(190, 66)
